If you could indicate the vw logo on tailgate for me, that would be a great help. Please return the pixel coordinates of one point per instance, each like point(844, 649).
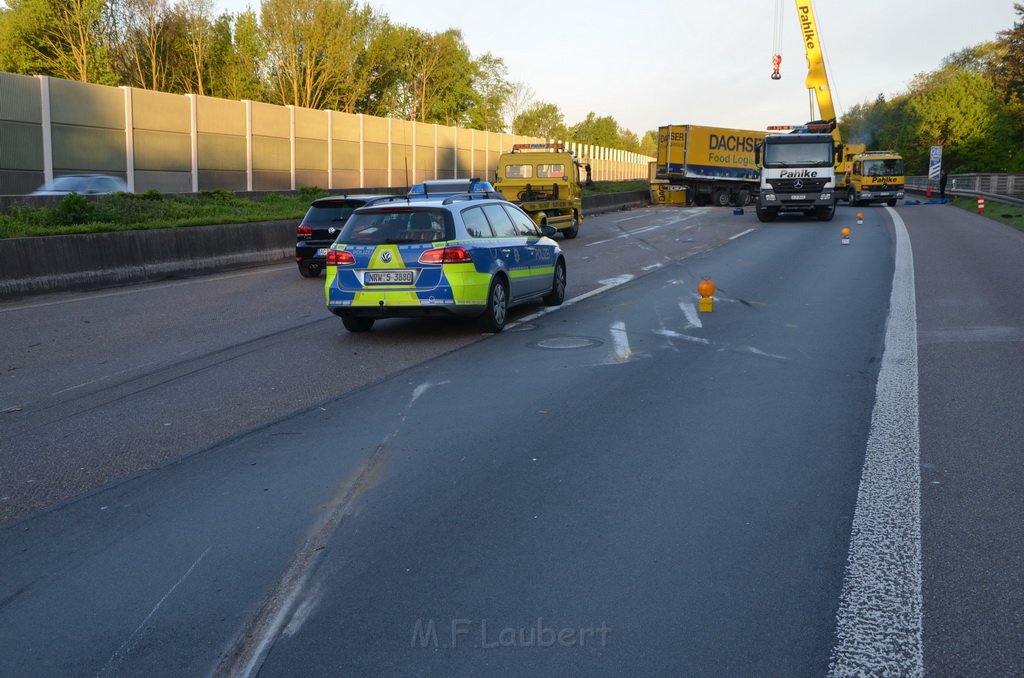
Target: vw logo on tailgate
point(385, 257)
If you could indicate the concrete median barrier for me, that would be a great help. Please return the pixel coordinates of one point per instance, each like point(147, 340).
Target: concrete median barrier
point(96, 260)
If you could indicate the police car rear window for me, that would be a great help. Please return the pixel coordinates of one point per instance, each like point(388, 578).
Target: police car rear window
point(397, 226)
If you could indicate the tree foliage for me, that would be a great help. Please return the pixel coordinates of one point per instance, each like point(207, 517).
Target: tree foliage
point(971, 106)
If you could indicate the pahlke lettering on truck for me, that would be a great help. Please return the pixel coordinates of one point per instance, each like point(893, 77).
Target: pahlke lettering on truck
point(796, 174)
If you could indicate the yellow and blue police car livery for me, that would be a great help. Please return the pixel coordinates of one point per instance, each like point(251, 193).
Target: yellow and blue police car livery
point(439, 258)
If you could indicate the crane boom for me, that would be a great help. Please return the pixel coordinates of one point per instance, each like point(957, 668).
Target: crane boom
point(817, 77)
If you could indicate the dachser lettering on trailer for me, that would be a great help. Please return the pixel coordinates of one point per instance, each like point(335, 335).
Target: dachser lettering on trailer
point(807, 28)
point(732, 142)
point(797, 174)
point(674, 136)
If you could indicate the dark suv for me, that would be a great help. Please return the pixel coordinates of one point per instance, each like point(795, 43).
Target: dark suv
point(321, 225)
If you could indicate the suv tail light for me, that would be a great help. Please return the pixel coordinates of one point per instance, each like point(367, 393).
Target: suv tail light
point(340, 258)
point(303, 230)
point(446, 255)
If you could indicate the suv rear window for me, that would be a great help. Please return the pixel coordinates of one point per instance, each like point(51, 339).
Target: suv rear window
point(333, 212)
point(397, 225)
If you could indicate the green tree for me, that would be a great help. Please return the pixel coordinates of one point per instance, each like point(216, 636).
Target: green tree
point(1008, 77)
point(311, 46)
point(960, 110)
point(143, 43)
point(598, 131)
point(541, 119)
point(492, 91)
point(63, 38)
point(244, 67)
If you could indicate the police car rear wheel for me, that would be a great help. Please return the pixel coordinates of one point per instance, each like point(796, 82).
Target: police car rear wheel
point(356, 324)
point(493, 319)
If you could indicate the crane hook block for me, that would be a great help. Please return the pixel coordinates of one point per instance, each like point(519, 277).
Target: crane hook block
point(776, 63)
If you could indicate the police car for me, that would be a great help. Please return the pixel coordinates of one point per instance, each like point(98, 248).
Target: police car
point(464, 255)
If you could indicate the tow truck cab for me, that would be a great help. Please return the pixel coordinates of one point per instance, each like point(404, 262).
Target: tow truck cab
point(544, 180)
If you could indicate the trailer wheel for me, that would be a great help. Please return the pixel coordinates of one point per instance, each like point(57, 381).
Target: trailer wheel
point(721, 198)
point(744, 196)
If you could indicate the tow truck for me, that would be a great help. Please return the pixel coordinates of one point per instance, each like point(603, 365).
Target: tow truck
point(544, 180)
point(875, 176)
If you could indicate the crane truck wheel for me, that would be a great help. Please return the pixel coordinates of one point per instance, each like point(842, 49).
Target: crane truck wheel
point(825, 213)
point(766, 215)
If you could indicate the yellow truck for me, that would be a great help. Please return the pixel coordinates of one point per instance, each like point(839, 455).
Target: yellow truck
point(716, 165)
point(544, 180)
point(875, 176)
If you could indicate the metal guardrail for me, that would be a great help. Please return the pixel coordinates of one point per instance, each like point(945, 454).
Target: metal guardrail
point(1006, 187)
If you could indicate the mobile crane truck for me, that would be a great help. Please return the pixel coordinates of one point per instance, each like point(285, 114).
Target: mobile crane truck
point(798, 172)
point(544, 180)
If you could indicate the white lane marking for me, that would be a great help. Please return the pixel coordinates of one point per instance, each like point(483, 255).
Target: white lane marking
point(129, 644)
point(740, 235)
point(620, 340)
point(651, 267)
point(878, 626)
point(690, 311)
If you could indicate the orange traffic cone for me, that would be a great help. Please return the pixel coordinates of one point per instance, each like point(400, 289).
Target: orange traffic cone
point(928, 192)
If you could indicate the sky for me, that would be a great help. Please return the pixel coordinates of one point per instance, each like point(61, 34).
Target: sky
point(703, 62)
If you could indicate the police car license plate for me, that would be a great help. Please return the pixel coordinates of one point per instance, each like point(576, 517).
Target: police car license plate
point(401, 277)
point(322, 252)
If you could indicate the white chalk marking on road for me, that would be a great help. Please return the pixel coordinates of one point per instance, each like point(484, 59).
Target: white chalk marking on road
point(646, 229)
point(129, 644)
point(638, 216)
point(672, 334)
point(740, 235)
point(878, 625)
point(620, 340)
point(651, 267)
point(690, 311)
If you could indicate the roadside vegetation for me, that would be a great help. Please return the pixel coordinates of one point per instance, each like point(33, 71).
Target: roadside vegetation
point(1012, 215)
point(132, 212)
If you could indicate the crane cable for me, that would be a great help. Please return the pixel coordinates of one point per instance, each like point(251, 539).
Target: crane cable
point(777, 41)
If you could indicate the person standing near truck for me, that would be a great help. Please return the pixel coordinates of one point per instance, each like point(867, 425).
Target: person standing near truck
point(943, 177)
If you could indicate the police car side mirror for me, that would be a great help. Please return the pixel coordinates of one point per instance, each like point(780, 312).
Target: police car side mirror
point(549, 231)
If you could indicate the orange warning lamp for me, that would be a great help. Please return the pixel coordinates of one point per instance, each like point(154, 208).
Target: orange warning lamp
point(845, 232)
point(706, 290)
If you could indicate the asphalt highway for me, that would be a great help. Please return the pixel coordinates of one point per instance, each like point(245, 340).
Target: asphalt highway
point(210, 477)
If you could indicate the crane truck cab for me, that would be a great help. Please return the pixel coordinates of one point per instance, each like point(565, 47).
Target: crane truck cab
point(875, 176)
point(544, 180)
point(798, 173)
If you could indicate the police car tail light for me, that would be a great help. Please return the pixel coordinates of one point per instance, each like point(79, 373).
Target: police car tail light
point(446, 255)
point(303, 230)
point(340, 258)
